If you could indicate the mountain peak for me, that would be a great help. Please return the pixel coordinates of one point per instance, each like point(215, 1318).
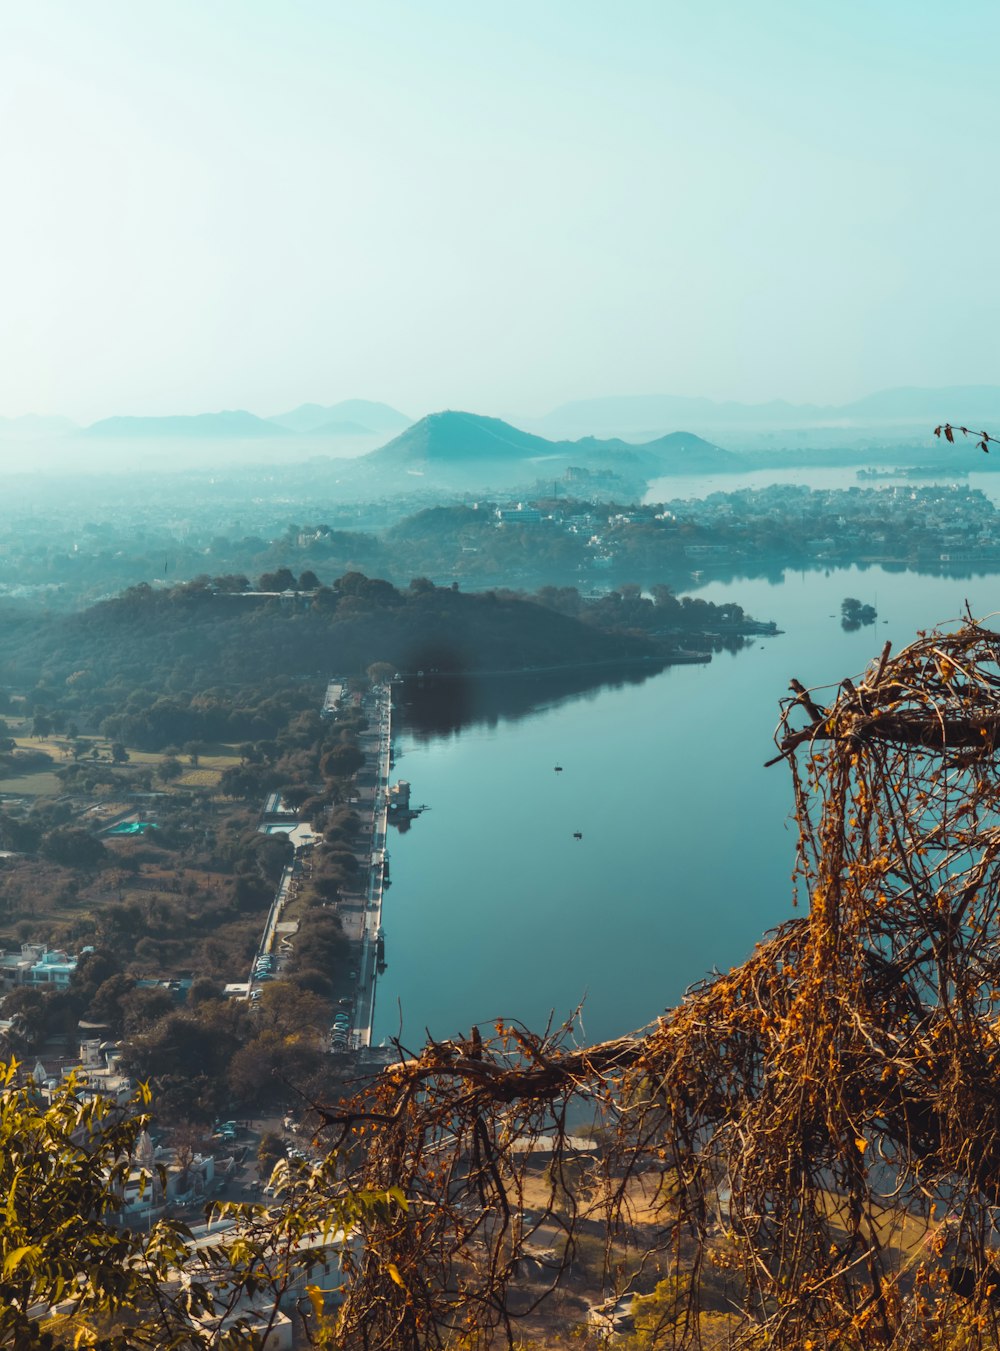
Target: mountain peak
point(317, 418)
point(453, 436)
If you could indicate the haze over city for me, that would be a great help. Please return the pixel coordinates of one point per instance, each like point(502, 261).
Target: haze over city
point(500, 208)
point(499, 675)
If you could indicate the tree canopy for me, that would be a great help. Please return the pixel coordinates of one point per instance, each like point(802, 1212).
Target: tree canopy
point(72, 1274)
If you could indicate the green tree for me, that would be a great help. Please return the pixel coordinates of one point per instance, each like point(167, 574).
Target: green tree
point(64, 1167)
point(204, 990)
point(282, 580)
point(291, 1012)
point(143, 1006)
point(169, 769)
point(73, 847)
point(232, 583)
point(343, 761)
point(28, 1011)
point(107, 1003)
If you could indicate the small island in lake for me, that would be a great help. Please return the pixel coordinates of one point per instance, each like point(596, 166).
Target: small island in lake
point(855, 614)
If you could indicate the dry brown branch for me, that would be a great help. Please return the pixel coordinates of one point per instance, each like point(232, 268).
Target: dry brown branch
point(819, 1129)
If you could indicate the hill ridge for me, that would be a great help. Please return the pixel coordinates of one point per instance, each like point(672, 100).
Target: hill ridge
point(456, 437)
point(230, 422)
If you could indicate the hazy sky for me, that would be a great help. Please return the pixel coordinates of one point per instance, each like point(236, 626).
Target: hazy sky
point(500, 206)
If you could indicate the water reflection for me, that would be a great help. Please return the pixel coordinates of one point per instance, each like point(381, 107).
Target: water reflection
point(497, 909)
point(439, 706)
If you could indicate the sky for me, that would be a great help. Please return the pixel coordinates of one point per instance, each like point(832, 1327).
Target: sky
point(493, 206)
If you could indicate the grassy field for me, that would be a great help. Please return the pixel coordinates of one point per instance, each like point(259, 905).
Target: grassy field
point(39, 781)
point(43, 783)
point(218, 759)
point(57, 747)
point(60, 748)
point(199, 778)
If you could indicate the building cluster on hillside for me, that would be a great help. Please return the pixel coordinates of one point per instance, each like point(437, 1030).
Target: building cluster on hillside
point(928, 523)
point(95, 1073)
point(38, 966)
point(578, 522)
point(923, 519)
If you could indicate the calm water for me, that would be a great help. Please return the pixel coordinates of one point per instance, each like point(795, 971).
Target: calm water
point(701, 485)
point(496, 909)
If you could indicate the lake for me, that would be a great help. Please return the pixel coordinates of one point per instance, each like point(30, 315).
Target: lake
point(679, 487)
point(686, 850)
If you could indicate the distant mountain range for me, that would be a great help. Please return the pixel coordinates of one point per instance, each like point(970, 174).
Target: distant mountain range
point(467, 439)
point(636, 422)
point(900, 408)
point(350, 417)
point(208, 425)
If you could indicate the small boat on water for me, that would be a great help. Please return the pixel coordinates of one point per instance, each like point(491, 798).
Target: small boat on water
point(558, 769)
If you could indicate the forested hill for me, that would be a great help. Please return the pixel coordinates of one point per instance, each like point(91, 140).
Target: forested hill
point(197, 638)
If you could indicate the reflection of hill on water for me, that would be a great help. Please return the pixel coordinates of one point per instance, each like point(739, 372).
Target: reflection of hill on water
point(444, 705)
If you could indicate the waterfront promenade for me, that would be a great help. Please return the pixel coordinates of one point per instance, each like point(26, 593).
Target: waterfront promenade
point(376, 743)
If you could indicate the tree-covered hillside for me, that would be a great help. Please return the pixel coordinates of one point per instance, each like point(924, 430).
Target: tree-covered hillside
point(216, 636)
point(227, 665)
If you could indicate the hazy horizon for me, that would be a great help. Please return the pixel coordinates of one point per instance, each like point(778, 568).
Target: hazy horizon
point(975, 400)
point(500, 209)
